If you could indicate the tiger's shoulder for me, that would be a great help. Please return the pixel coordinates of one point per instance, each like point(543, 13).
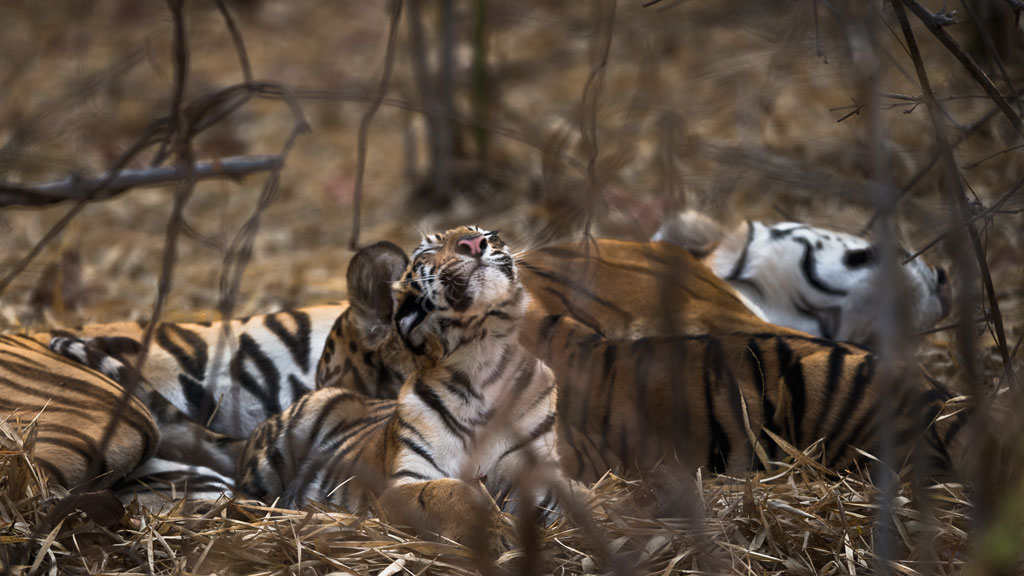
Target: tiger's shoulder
point(626, 289)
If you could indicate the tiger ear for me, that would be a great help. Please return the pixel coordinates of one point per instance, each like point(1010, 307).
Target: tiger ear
point(370, 275)
point(692, 230)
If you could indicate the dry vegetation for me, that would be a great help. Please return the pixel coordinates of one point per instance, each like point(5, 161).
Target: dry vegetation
point(745, 110)
point(797, 520)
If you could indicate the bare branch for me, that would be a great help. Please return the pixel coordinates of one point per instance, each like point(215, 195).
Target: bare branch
point(108, 184)
point(143, 142)
point(462, 119)
point(180, 141)
point(924, 170)
point(600, 49)
point(364, 123)
point(982, 214)
point(952, 182)
point(935, 25)
point(236, 37)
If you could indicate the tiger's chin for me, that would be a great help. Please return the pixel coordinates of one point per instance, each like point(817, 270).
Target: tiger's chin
point(487, 288)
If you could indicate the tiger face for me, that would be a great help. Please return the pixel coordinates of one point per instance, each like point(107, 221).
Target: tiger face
point(455, 282)
point(820, 281)
point(826, 282)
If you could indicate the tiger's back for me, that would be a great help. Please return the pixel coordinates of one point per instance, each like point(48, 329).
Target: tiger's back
point(72, 407)
point(684, 367)
point(628, 289)
point(228, 376)
point(716, 400)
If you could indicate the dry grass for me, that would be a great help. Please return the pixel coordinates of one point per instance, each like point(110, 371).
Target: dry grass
point(797, 519)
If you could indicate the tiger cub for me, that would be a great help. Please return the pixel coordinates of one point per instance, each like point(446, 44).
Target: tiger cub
point(820, 281)
point(478, 408)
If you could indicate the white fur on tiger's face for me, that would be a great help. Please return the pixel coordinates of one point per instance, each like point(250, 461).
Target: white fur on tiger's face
point(820, 281)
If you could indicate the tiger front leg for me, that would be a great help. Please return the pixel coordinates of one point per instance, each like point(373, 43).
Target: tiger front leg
point(451, 508)
point(528, 479)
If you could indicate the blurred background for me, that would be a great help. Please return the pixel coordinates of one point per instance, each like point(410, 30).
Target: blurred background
point(743, 110)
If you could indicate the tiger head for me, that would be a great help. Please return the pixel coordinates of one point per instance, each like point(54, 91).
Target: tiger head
point(828, 282)
point(823, 282)
point(460, 286)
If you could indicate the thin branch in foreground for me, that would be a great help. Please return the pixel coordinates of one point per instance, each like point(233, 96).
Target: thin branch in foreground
point(600, 49)
point(981, 214)
point(236, 38)
point(178, 138)
point(364, 123)
point(108, 184)
point(952, 179)
point(927, 167)
point(935, 24)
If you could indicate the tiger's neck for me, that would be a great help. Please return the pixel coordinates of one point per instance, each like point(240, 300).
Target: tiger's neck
point(476, 343)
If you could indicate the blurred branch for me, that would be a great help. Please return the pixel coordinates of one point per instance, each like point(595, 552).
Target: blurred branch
point(935, 24)
point(482, 92)
point(236, 38)
point(924, 170)
point(240, 251)
point(27, 130)
point(180, 141)
point(143, 142)
point(364, 123)
point(980, 214)
point(464, 120)
point(952, 180)
point(106, 185)
point(600, 47)
point(977, 163)
point(990, 46)
point(954, 326)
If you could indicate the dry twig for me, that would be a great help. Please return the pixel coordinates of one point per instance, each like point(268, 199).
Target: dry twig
point(364, 122)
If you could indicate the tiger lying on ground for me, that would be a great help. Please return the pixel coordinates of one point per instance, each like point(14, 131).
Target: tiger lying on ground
point(820, 281)
point(211, 384)
point(711, 389)
point(478, 407)
point(634, 308)
point(72, 406)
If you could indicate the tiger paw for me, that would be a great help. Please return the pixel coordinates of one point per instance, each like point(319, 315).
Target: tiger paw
point(452, 509)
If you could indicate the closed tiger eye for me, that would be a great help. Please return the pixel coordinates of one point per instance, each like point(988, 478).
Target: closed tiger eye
point(859, 258)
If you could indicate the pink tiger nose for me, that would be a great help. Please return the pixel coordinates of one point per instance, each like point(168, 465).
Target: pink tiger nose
point(471, 246)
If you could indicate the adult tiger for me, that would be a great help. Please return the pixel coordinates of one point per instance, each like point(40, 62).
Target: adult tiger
point(653, 354)
point(72, 407)
point(820, 281)
point(477, 408)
